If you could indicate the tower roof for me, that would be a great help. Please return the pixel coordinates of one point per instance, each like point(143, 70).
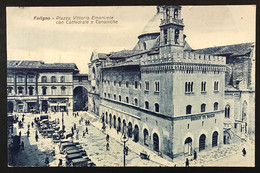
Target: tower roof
point(153, 25)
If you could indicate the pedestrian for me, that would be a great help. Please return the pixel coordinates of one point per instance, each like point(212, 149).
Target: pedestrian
point(187, 162)
point(87, 130)
point(110, 126)
point(107, 138)
point(23, 119)
point(20, 133)
point(23, 115)
point(126, 150)
point(32, 124)
point(60, 163)
point(47, 161)
point(107, 146)
point(22, 145)
point(77, 131)
point(88, 122)
point(36, 137)
point(72, 130)
point(77, 113)
point(28, 126)
point(117, 130)
point(244, 152)
point(28, 133)
point(53, 152)
point(195, 155)
point(83, 134)
point(74, 126)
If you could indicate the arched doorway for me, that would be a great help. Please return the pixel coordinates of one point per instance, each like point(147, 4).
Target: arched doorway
point(110, 119)
point(119, 124)
point(130, 129)
point(215, 139)
point(188, 146)
point(114, 121)
point(136, 134)
point(155, 142)
point(226, 138)
point(80, 98)
point(106, 118)
point(146, 137)
point(10, 107)
point(124, 126)
point(202, 142)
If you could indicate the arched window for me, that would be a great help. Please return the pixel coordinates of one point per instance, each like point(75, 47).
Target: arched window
point(114, 97)
point(119, 98)
point(188, 109)
point(227, 111)
point(146, 105)
point(215, 106)
point(203, 107)
point(144, 44)
point(176, 38)
point(244, 111)
point(146, 137)
point(186, 87)
point(136, 102)
point(127, 100)
point(191, 87)
point(175, 13)
point(114, 117)
point(188, 146)
point(44, 79)
point(105, 94)
point(53, 79)
point(155, 142)
point(157, 109)
point(62, 79)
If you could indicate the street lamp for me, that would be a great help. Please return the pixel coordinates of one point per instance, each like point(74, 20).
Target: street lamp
point(124, 139)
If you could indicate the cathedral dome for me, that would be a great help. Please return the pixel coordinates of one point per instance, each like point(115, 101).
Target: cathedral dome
point(153, 25)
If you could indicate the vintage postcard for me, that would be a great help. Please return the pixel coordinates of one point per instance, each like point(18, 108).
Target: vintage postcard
point(120, 86)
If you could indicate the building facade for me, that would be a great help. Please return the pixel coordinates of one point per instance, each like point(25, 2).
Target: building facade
point(161, 93)
point(35, 86)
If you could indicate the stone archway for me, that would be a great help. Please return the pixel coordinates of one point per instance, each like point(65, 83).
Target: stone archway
point(155, 142)
point(136, 133)
point(130, 130)
point(202, 142)
point(215, 139)
point(188, 146)
point(80, 98)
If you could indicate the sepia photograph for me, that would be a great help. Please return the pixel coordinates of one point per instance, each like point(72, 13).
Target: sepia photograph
point(131, 86)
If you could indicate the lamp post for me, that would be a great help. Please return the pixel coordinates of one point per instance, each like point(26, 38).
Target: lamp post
point(124, 139)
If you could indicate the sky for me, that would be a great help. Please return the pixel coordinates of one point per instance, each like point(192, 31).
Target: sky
point(31, 38)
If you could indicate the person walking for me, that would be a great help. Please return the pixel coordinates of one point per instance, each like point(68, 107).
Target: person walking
point(28, 126)
point(194, 155)
point(47, 161)
point(32, 124)
point(107, 138)
point(244, 152)
point(126, 150)
point(22, 145)
point(72, 130)
point(60, 163)
point(107, 146)
point(86, 130)
point(20, 133)
point(187, 162)
point(83, 135)
point(28, 133)
point(36, 137)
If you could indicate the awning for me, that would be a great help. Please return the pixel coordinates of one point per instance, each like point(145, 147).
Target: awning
point(31, 101)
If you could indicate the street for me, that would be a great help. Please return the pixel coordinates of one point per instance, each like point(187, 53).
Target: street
point(94, 143)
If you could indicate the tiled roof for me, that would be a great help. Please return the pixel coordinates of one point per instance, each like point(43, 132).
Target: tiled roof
point(119, 54)
point(232, 50)
point(39, 65)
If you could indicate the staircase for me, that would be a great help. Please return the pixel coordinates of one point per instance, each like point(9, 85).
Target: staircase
point(239, 135)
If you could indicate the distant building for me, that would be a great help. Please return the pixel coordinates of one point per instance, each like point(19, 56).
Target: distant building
point(162, 94)
point(35, 86)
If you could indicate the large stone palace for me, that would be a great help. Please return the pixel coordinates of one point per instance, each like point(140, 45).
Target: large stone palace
point(171, 98)
point(165, 95)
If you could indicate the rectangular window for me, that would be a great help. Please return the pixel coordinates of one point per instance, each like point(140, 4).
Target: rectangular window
point(62, 79)
point(188, 87)
point(216, 86)
point(44, 89)
point(20, 79)
point(157, 86)
point(147, 85)
point(20, 90)
point(30, 78)
point(63, 91)
point(136, 85)
point(10, 79)
point(53, 91)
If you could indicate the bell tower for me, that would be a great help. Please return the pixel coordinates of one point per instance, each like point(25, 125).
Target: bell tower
point(171, 30)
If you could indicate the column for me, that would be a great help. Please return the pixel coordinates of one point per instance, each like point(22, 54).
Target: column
point(25, 84)
point(15, 84)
